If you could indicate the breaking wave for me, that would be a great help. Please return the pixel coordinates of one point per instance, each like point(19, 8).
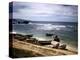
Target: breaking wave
point(51, 27)
point(48, 26)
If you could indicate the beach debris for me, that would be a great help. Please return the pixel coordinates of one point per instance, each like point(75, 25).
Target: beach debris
point(45, 42)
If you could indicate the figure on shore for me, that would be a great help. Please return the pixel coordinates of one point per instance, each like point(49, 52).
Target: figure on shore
point(56, 38)
point(55, 43)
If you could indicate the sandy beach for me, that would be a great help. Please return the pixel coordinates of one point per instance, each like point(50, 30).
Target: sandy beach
point(26, 49)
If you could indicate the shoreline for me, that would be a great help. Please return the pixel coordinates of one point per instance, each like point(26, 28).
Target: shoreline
point(39, 49)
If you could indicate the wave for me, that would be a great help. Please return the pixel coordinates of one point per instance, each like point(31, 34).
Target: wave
point(38, 24)
point(50, 27)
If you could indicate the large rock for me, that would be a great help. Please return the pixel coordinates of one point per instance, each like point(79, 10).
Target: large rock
point(62, 46)
point(55, 44)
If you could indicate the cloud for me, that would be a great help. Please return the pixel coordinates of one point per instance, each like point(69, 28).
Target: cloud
point(40, 11)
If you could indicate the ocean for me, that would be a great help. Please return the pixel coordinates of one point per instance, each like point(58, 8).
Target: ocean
point(66, 31)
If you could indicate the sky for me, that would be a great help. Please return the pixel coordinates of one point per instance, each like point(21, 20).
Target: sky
point(45, 12)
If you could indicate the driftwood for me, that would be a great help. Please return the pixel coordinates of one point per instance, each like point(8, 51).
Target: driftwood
point(45, 42)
